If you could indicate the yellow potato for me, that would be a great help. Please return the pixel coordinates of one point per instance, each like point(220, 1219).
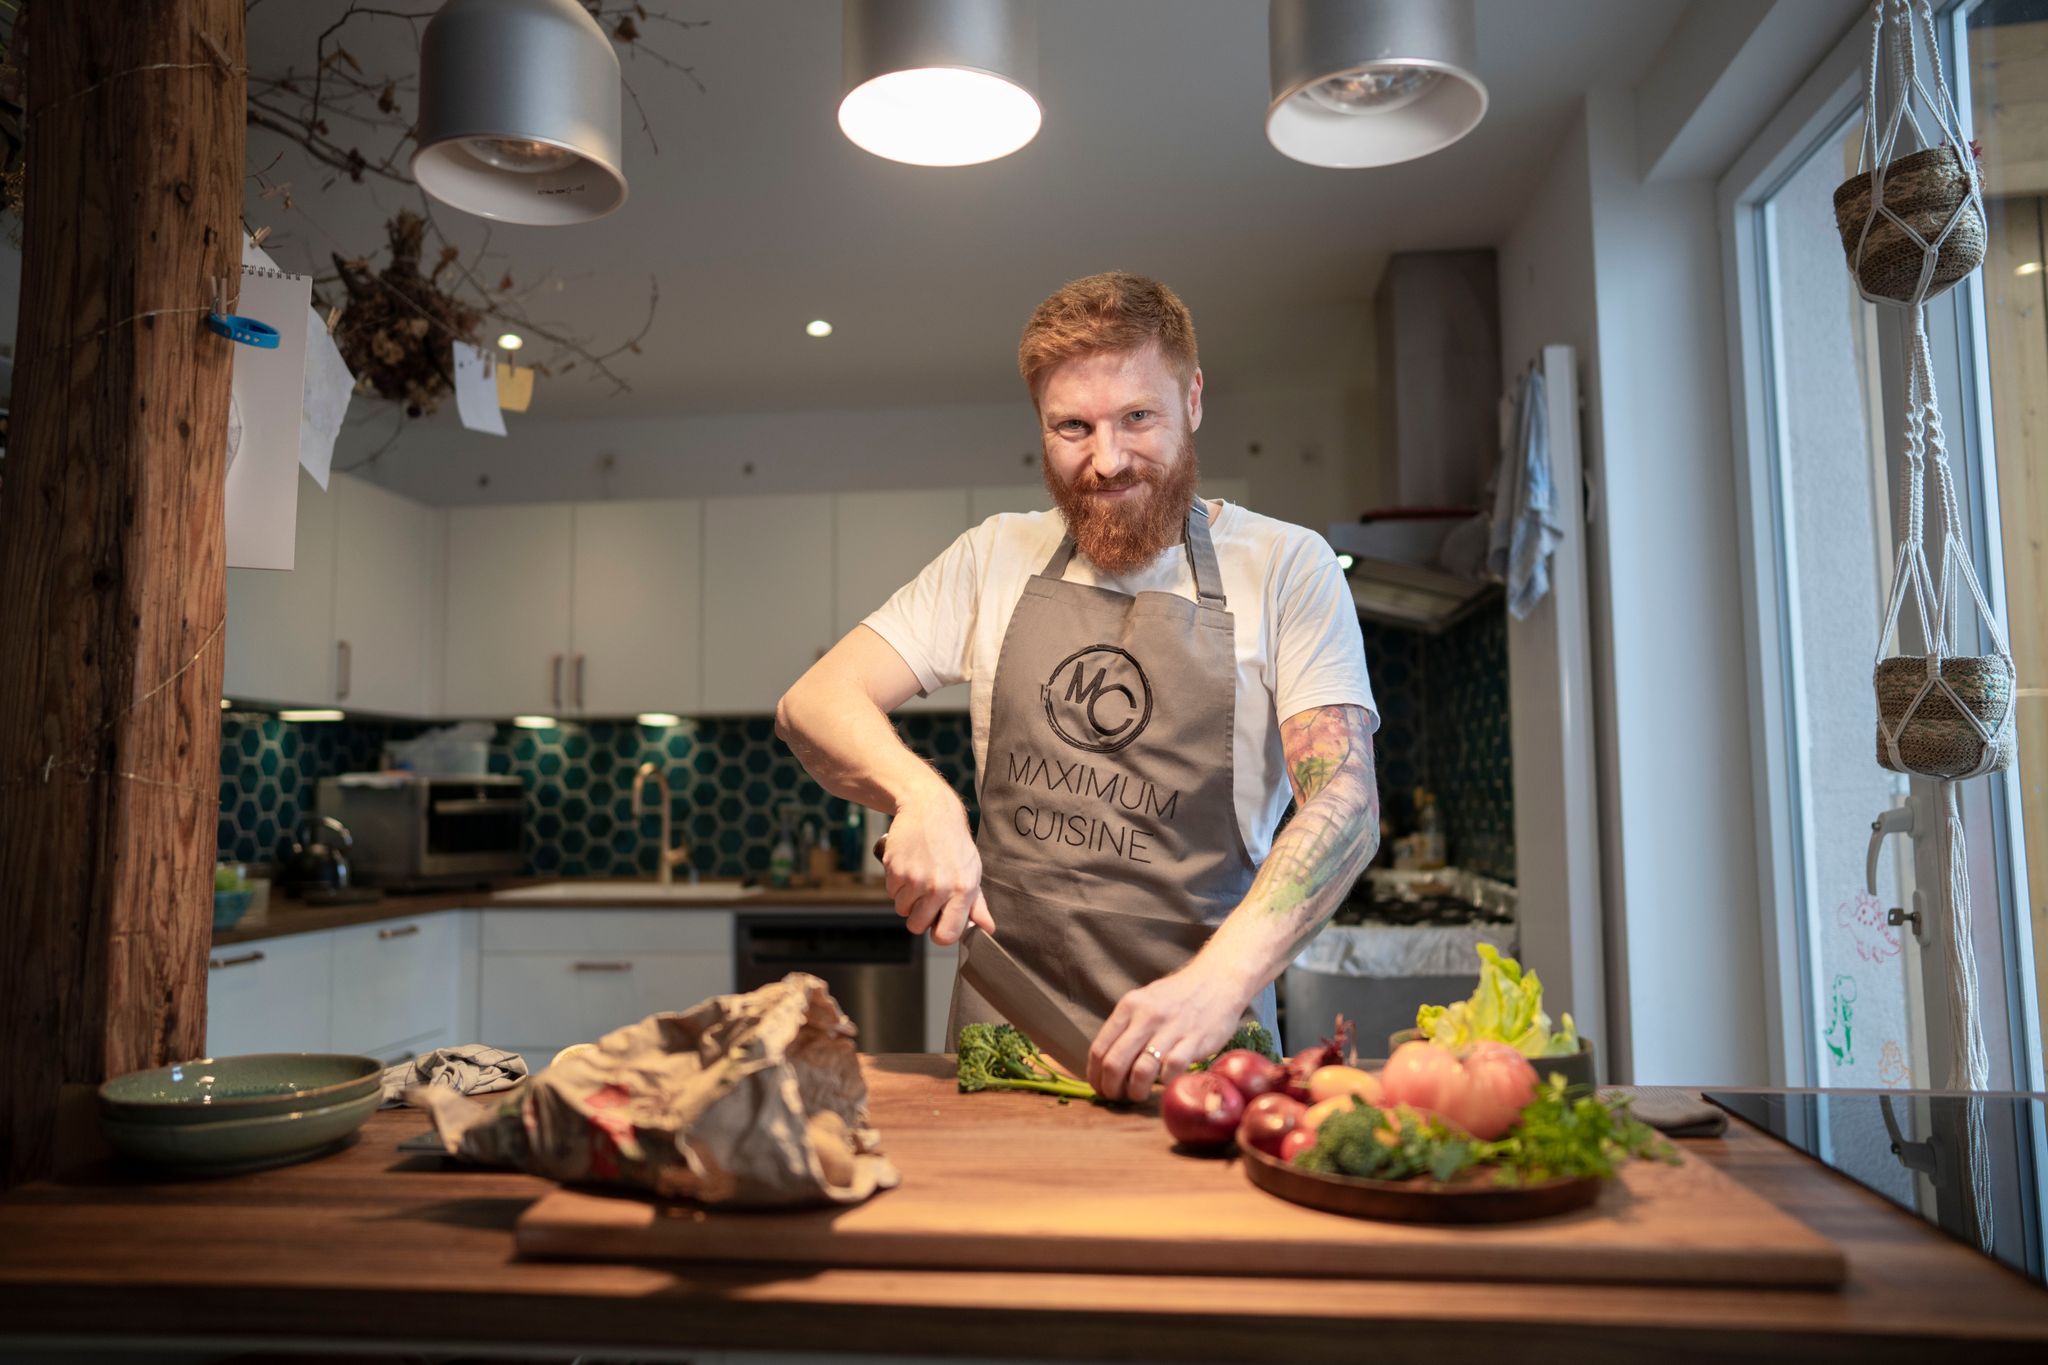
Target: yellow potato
point(1312, 1119)
point(1329, 1082)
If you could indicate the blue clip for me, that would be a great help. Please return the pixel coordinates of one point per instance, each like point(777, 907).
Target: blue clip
point(247, 331)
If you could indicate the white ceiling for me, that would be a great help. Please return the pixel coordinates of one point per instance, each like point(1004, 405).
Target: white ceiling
point(756, 215)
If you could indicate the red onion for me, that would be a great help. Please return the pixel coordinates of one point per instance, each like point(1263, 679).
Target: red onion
point(1332, 1051)
point(1251, 1073)
point(1201, 1109)
point(1267, 1121)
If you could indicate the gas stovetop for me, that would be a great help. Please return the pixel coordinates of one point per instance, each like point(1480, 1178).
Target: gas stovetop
point(1432, 911)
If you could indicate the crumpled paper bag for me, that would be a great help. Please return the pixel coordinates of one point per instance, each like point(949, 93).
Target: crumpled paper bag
point(753, 1099)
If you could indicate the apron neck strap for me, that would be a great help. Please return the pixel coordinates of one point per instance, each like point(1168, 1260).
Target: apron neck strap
point(1201, 553)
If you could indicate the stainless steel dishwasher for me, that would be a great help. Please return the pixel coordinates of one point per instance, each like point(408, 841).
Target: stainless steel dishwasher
point(874, 967)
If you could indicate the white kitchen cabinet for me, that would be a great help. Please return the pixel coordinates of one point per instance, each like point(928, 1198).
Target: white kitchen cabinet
point(506, 644)
point(280, 632)
point(768, 603)
point(550, 978)
point(270, 995)
point(636, 607)
point(397, 982)
point(387, 599)
point(880, 541)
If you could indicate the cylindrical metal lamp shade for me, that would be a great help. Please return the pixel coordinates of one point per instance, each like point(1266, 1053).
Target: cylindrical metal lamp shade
point(940, 82)
point(1371, 82)
point(519, 112)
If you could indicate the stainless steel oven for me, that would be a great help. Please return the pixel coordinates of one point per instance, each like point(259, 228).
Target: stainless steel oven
point(414, 831)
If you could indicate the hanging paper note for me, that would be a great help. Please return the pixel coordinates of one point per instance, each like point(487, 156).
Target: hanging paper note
point(515, 387)
point(328, 386)
point(476, 391)
point(263, 421)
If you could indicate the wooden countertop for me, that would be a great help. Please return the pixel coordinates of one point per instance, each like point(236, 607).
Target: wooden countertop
point(367, 1248)
point(288, 916)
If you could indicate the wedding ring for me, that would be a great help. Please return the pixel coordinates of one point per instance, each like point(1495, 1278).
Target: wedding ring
point(1153, 1052)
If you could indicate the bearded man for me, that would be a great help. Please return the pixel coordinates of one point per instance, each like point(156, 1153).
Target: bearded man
point(1153, 675)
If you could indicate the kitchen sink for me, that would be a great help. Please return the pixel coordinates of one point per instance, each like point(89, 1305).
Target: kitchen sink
point(654, 893)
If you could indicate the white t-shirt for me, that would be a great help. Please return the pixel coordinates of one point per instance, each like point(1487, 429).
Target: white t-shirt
point(1298, 643)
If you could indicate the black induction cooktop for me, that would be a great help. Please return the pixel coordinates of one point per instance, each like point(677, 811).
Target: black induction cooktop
point(1913, 1148)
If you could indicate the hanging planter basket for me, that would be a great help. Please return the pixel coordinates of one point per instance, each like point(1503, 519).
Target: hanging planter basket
point(1930, 196)
point(1950, 721)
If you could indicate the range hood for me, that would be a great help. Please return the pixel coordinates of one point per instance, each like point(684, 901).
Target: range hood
point(1397, 569)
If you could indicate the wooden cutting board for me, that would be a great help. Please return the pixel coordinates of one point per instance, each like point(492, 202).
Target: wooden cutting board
point(1022, 1182)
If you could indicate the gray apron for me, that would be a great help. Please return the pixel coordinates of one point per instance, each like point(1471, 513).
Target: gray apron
point(1109, 842)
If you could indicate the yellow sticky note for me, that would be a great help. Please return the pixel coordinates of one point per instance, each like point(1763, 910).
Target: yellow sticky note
point(515, 387)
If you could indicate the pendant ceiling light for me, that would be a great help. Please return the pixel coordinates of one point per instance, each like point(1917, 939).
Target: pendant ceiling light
point(1371, 82)
point(940, 82)
point(519, 112)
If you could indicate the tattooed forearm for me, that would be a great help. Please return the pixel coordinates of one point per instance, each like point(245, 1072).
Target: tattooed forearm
point(1319, 854)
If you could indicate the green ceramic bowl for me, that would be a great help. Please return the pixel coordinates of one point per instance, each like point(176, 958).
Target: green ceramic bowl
point(210, 1090)
point(233, 1145)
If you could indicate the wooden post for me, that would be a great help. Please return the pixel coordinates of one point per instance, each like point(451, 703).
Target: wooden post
point(112, 560)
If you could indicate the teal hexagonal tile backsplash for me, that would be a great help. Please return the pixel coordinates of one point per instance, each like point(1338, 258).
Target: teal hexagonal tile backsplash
point(729, 780)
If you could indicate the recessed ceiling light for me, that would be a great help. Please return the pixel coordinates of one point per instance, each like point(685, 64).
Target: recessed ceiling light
point(534, 722)
point(818, 328)
point(661, 720)
point(2030, 268)
point(1345, 561)
point(316, 714)
point(511, 341)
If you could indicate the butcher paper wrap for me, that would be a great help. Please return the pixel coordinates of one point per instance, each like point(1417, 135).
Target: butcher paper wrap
point(752, 1099)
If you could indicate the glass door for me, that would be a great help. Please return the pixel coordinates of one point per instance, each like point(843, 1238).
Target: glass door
point(1863, 1019)
point(1856, 954)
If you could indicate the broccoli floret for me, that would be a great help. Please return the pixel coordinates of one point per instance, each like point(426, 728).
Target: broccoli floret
point(1250, 1034)
point(998, 1057)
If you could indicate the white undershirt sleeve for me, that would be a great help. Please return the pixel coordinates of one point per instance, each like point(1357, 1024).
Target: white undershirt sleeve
point(1318, 651)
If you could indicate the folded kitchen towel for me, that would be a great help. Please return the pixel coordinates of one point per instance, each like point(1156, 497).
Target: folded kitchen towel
point(1673, 1111)
point(472, 1069)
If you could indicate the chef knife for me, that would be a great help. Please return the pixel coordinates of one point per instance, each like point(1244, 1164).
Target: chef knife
point(1013, 993)
point(1016, 995)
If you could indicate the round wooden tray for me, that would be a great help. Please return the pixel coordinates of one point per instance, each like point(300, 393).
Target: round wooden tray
point(1471, 1198)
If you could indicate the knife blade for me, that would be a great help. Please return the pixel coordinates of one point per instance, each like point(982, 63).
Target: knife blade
point(1002, 981)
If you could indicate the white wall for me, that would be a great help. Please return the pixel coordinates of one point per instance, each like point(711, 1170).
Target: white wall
point(1630, 273)
point(1547, 297)
point(1686, 871)
point(1302, 470)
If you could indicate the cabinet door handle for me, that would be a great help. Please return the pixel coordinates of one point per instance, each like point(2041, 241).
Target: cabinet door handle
point(579, 682)
point(344, 664)
point(403, 931)
point(604, 967)
point(218, 962)
point(555, 675)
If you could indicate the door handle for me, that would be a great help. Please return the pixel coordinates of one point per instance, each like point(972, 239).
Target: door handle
point(579, 682)
point(555, 673)
point(344, 664)
point(234, 961)
point(404, 931)
point(1900, 819)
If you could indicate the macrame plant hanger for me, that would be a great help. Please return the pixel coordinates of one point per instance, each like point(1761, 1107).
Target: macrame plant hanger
point(1912, 222)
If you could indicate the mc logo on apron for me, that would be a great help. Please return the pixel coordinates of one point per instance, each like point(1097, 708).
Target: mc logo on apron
point(1098, 699)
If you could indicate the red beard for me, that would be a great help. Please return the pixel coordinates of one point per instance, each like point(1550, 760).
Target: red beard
point(1125, 534)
